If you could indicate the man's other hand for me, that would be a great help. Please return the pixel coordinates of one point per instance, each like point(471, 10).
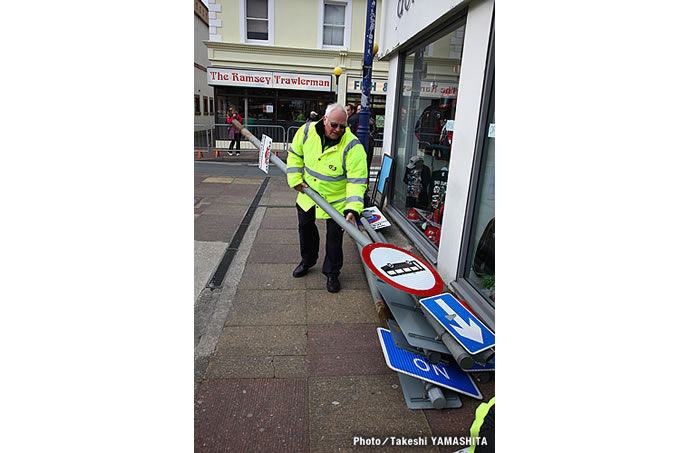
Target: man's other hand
point(350, 218)
point(300, 186)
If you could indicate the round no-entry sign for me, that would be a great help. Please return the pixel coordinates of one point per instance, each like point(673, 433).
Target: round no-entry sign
point(402, 270)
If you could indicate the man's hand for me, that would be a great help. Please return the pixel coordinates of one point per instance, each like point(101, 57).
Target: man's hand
point(350, 218)
point(300, 186)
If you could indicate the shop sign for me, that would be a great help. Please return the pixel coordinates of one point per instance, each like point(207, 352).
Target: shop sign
point(378, 86)
point(265, 79)
point(433, 89)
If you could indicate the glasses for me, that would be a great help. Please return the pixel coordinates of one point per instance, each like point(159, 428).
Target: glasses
point(338, 125)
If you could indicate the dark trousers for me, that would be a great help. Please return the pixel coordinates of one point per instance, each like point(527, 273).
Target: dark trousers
point(237, 141)
point(309, 242)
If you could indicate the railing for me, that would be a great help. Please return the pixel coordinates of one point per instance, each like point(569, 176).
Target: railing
point(276, 132)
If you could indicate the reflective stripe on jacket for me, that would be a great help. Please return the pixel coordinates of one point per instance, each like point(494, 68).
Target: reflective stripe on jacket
point(339, 174)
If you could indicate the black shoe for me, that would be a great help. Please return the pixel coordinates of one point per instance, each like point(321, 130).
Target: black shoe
point(301, 270)
point(333, 284)
point(230, 153)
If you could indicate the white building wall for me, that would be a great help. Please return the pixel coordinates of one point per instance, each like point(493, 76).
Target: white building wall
point(475, 47)
point(398, 31)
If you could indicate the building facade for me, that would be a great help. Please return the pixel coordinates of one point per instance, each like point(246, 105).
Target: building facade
point(204, 99)
point(440, 131)
point(273, 60)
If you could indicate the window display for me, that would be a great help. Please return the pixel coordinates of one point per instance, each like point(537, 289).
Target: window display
point(425, 130)
point(480, 264)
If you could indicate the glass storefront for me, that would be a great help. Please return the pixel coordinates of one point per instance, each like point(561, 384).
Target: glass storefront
point(480, 262)
point(424, 130)
point(271, 106)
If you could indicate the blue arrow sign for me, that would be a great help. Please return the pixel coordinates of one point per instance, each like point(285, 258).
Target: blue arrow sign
point(447, 376)
point(474, 336)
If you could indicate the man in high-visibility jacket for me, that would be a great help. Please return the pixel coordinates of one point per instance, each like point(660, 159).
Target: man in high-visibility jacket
point(327, 157)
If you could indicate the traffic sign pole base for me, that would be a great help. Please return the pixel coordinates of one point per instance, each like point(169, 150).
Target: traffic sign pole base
point(416, 330)
point(416, 396)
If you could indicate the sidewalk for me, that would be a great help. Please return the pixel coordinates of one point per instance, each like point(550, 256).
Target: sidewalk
point(282, 364)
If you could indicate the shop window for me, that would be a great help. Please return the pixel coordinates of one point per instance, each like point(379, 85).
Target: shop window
point(425, 123)
point(205, 105)
point(480, 262)
point(258, 21)
point(212, 106)
point(335, 22)
point(197, 104)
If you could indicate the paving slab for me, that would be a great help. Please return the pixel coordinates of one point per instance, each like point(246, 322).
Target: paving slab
point(284, 236)
point(216, 228)
point(250, 341)
point(269, 276)
point(279, 221)
point(251, 415)
point(369, 406)
point(347, 306)
point(339, 338)
point(207, 256)
point(290, 366)
point(226, 367)
point(348, 364)
point(267, 308)
point(350, 279)
point(275, 254)
point(235, 209)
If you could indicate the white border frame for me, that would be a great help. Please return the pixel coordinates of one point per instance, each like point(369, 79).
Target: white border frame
point(348, 24)
point(270, 24)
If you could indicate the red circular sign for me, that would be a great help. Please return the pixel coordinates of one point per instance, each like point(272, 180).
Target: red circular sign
point(402, 270)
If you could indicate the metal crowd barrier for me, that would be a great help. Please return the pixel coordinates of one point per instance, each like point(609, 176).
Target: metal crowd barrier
point(204, 140)
point(276, 132)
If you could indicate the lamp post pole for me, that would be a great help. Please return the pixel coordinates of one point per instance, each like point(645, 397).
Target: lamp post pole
point(338, 72)
point(365, 114)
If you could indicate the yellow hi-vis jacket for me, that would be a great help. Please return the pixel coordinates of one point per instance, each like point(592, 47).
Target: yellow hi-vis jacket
point(339, 174)
point(480, 414)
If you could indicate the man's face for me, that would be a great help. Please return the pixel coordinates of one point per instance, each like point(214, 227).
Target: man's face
point(338, 118)
point(348, 108)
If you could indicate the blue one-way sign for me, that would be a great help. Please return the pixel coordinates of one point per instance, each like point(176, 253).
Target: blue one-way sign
point(448, 376)
point(474, 336)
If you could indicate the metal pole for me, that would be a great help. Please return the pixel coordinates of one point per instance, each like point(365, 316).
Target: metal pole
point(365, 114)
point(323, 204)
point(436, 395)
point(380, 306)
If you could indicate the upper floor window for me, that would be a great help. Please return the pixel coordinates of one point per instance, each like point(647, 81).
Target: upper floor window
point(335, 23)
point(258, 20)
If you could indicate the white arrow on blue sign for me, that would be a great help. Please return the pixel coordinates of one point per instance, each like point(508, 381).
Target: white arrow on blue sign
point(474, 336)
point(447, 376)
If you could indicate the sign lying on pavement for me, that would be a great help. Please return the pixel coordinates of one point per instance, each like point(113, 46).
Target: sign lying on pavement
point(491, 366)
point(447, 376)
point(265, 146)
point(402, 270)
point(375, 218)
point(470, 332)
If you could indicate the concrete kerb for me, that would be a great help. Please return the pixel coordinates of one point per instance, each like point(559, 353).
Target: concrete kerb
point(207, 343)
